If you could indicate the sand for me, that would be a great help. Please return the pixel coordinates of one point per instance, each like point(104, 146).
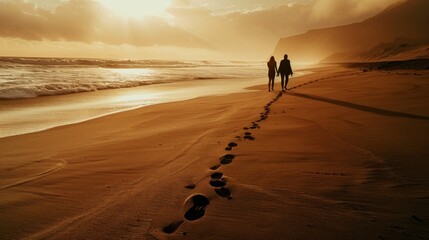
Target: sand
point(342, 156)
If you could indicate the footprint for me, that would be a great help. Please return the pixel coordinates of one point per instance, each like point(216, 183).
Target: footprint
point(172, 227)
point(223, 192)
point(217, 183)
point(249, 137)
point(216, 175)
point(198, 209)
point(255, 124)
point(230, 146)
point(226, 159)
point(190, 186)
point(217, 179)
point(215, 167)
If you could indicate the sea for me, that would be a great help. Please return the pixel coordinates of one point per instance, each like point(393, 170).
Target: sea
point(36, 77)
point(42, 93)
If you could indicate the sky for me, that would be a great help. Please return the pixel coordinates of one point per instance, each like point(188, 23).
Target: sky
point(167, 29)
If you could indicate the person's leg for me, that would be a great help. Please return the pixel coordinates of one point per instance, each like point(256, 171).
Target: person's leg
point(283, 80)
point(287, 80)
point(269, 83)
point(272, 84)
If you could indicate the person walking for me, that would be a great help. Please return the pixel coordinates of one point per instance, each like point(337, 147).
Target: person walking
point(272, 69)
point(285, 70)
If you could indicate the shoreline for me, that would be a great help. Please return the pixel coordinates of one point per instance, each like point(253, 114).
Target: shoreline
point(80, 107)
point(340, 155)
point(92, 105)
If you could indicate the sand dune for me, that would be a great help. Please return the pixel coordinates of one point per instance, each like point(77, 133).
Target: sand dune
point(399, 50)
point(342, 155)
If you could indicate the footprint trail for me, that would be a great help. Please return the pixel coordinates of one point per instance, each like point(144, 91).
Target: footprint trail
point(218, 180)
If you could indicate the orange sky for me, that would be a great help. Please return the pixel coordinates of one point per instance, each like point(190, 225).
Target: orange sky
point(167, 29)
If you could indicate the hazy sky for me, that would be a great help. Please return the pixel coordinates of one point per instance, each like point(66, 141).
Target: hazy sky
point(167, 29)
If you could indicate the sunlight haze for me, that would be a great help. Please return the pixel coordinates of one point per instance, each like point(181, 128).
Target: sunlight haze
point(137, 8)
point(167, 29)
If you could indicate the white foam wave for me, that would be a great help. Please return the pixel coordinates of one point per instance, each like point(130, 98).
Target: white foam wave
point(34, 77)
point(61, 89)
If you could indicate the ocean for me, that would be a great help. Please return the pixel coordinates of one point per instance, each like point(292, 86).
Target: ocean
point(35, 77)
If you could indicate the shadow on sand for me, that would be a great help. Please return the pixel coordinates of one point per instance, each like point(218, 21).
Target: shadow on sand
point(364, 108)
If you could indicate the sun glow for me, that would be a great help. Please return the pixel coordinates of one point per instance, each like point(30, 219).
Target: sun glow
point(137, 8)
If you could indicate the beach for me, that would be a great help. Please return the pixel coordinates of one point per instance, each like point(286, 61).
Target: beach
point(341, 155)
point(41, 93)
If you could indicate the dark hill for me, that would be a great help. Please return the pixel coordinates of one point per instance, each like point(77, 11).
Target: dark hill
point(406, 20)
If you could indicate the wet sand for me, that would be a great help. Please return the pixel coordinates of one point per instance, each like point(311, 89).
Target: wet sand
point(342, 155)
point(20, 116)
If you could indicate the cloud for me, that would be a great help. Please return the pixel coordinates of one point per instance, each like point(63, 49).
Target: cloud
point(334, 11)
point(253, 32)
point(88, 21)
point(249, 32)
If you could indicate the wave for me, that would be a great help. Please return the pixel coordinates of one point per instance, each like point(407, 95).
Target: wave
point(35, 77)
point(106, 63)
point(62, 89)
point(9, 62)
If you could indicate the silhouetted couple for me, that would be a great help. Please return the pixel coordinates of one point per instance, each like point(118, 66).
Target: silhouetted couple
point(284, 70)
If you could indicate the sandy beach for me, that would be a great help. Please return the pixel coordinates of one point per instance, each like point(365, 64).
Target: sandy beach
point(342, 155)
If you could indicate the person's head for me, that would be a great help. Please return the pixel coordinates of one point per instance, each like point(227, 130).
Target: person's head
point(286, 56)
point(272, 59)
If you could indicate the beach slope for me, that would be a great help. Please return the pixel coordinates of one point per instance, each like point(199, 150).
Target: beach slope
point(342, 155)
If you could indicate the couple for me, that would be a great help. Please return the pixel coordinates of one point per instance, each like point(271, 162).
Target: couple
point(284, 69)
